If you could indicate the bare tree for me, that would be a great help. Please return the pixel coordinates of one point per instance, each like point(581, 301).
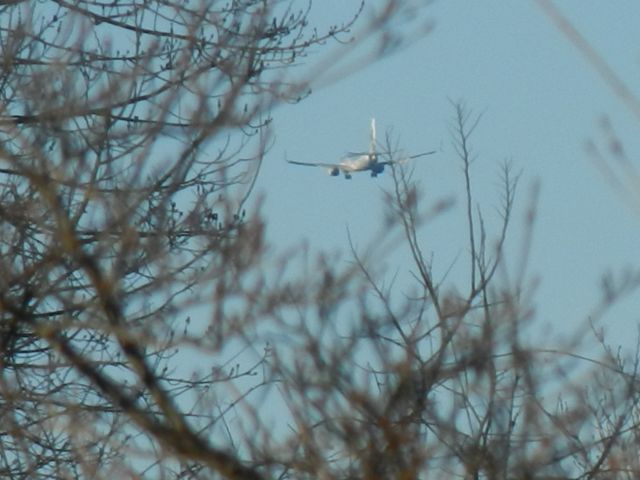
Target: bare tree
point(146, 330)
point(443, 381)
point(130, 137)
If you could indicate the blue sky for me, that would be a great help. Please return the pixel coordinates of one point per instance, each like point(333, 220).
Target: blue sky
point(541, 102)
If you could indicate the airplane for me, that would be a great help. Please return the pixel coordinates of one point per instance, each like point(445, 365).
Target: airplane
point(361, 161)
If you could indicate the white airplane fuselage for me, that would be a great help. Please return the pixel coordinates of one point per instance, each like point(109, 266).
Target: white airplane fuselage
point(358, 163)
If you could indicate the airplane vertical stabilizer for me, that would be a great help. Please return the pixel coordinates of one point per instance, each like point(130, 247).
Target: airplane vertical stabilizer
point(372, 146)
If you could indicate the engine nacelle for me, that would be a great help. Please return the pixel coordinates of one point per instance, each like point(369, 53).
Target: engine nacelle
point(376, 169)
point(334, 172)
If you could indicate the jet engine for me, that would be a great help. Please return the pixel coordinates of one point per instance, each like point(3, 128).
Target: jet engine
point(334, 172)
point(376, 169)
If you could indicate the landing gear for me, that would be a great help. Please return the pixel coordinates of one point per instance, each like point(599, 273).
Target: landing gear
point(374, 174)
point(347, 176)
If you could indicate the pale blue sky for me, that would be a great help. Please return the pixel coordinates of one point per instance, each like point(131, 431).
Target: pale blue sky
point(541, 102)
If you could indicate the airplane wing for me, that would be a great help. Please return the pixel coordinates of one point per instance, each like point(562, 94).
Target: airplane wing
point(309, 164)
point(404, 159)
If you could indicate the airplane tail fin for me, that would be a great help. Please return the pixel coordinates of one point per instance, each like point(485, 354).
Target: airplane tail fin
point(372, 145)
